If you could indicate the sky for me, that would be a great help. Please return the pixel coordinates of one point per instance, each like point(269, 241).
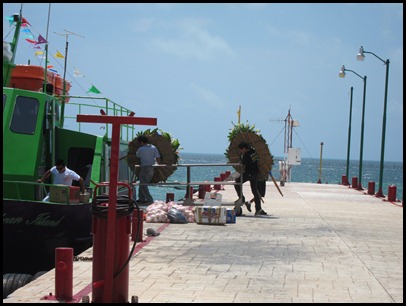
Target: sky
point(192, 66)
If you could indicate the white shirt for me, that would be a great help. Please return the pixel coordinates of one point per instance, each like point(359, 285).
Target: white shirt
point(64, 178)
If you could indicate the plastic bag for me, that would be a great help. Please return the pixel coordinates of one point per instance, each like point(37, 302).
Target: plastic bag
point(176, 216)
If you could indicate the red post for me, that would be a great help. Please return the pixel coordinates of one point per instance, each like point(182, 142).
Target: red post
point(170, 197)
point(392, 193)
point(371, 187)
point(110, 292)
point(207, 188)
point(228, 173)
point(217, 187)
point(344, 180)
point(202, 191)
point(134, 225)
point(140, 225)
point(354, 182)
point(223, 176)
point(63, 274)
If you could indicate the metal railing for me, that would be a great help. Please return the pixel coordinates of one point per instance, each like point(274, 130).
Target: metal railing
point(188, 183)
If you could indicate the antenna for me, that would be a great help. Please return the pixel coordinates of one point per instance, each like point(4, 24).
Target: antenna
point(64, 69)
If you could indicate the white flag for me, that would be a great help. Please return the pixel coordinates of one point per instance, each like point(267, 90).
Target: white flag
point(77, 73)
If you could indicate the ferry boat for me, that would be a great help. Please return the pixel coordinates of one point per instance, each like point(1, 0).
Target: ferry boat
point(34, 137)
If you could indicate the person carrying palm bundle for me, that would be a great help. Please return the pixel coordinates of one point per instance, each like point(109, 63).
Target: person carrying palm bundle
point(249, 161)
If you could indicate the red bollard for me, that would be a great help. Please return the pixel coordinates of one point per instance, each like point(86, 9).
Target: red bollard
point(63, 274)
point(392, 193)
point(371, 187)
point(344, 180)
point(217, 187)
point(354, 182)
point(228, 173)
point(170, 197)
point(223, 176)
point(207, 188)
point(140, 225)
point(137, 225)
point(134, 225)
point(202, 191)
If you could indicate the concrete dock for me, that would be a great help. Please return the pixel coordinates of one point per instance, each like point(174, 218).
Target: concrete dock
point(319, 243)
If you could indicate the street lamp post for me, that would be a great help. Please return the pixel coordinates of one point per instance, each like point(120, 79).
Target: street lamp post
point(321, 159)
point(349, 139)
point(342, 75)
point(361, 57)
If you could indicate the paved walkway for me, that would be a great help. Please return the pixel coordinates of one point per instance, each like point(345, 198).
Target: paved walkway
point(320, 243)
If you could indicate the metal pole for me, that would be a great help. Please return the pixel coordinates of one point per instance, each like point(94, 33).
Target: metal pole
point(63, 82)
point(379, 193)
point(349, 137)
point(362, 136)
point(321, 154)
point(360, 57)
point(64, 72)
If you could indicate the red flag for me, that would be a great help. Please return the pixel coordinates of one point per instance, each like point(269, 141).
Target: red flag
point(25, 21)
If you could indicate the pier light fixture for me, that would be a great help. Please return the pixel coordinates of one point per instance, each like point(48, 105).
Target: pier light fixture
point(361, 57)
point(342, 75)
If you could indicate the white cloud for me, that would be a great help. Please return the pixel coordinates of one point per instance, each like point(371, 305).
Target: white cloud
point(194, 42)
point(212, 99)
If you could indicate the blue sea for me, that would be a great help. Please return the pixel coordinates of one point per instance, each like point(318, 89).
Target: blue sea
point(308, 171)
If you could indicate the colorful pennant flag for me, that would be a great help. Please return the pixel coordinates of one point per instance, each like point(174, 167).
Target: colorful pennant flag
point(93, 89)
point(58, 54)
point(41, 40)
point(39, 53)
point(77, 73)
point(25, 22)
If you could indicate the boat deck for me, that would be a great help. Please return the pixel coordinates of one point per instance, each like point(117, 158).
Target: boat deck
point(319, 243)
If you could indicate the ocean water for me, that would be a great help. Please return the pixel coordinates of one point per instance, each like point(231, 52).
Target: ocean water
point(332, 171)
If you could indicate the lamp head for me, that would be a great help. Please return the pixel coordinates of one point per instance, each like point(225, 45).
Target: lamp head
point(341, 74)
point(361, 55)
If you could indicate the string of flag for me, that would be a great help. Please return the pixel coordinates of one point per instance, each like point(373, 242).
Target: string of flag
point(37, 41)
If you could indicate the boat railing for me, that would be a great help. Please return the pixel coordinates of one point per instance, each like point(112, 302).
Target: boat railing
point(20, 189)
point(188, 183)
point(110, 108)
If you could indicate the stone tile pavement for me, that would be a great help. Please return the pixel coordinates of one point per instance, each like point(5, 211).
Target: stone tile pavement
point(320, 243)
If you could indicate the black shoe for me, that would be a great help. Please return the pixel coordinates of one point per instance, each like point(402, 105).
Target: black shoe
point(260, 212)
point(248, 205)
point(238, 211)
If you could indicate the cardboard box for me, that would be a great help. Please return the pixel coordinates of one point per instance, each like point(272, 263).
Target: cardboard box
point(59, 194)
point(212, 199)
point(231, 216)
point(84, 197)
point(210, 215)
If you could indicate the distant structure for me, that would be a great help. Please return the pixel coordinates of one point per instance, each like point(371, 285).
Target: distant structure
point(292, 155)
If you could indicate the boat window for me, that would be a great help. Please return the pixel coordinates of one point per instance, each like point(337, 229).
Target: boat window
point(25, 115)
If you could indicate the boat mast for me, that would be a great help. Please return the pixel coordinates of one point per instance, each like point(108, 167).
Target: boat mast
point(9, 65)
point(46, 52)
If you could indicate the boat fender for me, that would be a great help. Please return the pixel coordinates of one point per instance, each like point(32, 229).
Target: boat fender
point(13, 281)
